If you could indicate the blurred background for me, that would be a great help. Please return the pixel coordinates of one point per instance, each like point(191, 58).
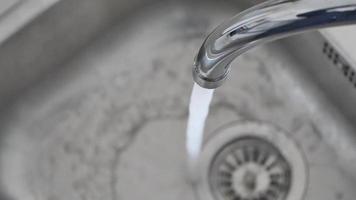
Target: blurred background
point(94, 99)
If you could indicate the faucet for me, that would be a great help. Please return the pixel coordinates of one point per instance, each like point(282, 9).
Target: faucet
point(266, 22)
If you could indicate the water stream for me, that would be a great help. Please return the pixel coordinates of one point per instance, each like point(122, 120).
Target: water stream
point(198, 112)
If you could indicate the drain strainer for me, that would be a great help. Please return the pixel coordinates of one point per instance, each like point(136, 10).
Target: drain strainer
point(252, 161)
point(250, 168)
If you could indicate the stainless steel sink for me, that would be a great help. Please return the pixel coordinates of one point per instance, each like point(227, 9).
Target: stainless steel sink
point(108, 121)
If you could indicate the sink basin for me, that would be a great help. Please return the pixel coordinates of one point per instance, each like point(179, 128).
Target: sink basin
point(109, 121)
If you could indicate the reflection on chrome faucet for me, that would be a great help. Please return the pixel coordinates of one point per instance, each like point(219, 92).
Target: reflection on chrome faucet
point(269, 21)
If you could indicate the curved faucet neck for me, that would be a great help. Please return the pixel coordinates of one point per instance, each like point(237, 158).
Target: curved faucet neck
point(269, 21)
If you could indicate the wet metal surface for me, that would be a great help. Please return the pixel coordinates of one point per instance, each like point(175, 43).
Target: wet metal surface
point(111, 125)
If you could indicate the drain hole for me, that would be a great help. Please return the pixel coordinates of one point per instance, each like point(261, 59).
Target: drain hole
point(252, 161)
point(250, 169)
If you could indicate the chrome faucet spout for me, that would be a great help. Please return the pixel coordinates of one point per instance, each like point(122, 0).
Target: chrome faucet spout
point(266, 22)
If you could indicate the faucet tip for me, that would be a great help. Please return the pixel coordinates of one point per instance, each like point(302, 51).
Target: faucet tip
point(206, 82)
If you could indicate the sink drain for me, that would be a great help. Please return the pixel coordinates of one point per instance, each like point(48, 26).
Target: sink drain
point(252, 161)
point(250, 168)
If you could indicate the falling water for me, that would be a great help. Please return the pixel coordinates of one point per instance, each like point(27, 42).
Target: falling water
point(198, 111)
